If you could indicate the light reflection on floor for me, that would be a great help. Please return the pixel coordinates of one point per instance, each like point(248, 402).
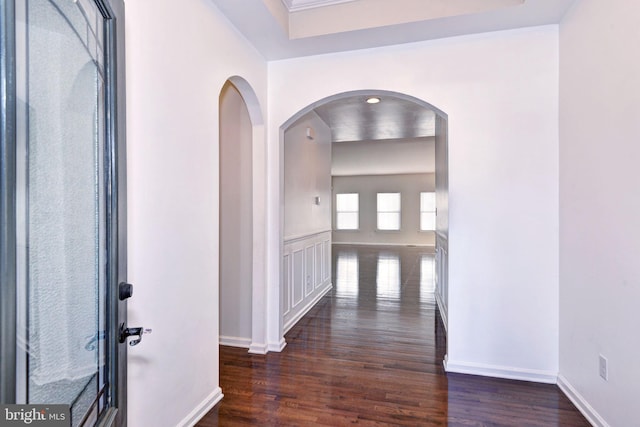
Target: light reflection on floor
point(388, 276)
point(384, 274)
point(347, 274)
point(427, 274)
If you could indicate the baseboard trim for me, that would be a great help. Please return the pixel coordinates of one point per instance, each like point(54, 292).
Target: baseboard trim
point(235, 341)
point(581, 403)
point(506, 372)
point(258, 348)
point(443, 311)
point(278, 346)
point(300, 314)
point(201, 410)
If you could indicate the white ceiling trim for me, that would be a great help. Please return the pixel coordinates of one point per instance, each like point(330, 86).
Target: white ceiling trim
point(265, 23)
point(298, 5)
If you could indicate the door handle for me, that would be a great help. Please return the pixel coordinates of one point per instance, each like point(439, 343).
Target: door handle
point(132, 332)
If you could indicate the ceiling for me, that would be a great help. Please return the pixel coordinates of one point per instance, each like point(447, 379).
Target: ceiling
point(282, 29)
point(353, 119)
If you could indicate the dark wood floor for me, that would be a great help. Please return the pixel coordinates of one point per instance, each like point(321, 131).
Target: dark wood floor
point(370, 353)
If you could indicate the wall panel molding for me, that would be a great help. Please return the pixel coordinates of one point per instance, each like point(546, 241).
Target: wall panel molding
point(307, 275)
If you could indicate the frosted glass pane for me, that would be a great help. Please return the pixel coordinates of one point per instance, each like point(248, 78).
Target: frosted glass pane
point(388, 221)
point(427, 202)
point(347, 221)
point(347, 202)
point(388, 202)
point(427, 221)
point(66, 205)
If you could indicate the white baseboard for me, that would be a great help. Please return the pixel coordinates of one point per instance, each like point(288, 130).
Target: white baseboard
point(254, 348)
point(258, 348)
point(293, 320)
point(277, 346)
point(235, 341)
point(581, 403)
point(201, 410)
point(506, 372)
point(443, 311)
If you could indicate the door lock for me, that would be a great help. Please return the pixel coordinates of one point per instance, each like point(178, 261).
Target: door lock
point(132, 332)
point(125, 290)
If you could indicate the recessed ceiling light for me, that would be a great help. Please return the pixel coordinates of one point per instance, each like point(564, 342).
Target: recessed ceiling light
point(373, 100)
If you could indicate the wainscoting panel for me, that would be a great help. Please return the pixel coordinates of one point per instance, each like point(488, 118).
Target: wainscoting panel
point(298, 277)
point(286, 286)
point(442, 279)
point(306, 274)
point(309, 267)
point(318, 264)
point(326, 265)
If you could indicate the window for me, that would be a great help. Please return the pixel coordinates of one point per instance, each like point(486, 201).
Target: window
point(347, 211)
point(427, 211)
point(388, 211)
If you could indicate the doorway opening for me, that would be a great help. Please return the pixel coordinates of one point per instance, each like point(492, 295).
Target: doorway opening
point(241, 206)
point(375, 120)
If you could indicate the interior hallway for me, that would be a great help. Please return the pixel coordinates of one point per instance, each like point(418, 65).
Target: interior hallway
point(370, 353)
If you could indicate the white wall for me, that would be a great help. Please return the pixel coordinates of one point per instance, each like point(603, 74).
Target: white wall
point(179, 55)
point(383, 157)
point(600, 208)
point(408, 185)
point(500, 91)
point(236, 229)
point(307, 174)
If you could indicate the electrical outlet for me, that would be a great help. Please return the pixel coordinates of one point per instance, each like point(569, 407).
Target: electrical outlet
point(603, 368)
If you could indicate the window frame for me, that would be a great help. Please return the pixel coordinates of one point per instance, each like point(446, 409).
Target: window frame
point(398, 212)
point(338, 212)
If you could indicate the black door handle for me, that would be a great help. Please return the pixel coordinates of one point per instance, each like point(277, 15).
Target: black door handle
point(132, 332)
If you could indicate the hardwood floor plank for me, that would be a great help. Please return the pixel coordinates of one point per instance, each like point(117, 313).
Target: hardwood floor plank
point(370, 354)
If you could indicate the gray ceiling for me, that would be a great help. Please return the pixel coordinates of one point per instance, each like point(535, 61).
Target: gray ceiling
point(353, 119)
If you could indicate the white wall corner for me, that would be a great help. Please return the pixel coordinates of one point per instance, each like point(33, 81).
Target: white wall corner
point(581, 403)
point(201, 410)
point(506, 372)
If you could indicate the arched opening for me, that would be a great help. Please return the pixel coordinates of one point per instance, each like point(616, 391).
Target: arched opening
point(241, 224)
point(304, 221)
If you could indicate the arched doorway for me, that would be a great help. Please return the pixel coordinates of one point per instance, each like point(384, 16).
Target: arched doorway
point(241, 219)
point(289, 276)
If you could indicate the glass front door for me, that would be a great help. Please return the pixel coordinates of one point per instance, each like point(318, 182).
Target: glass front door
point(66, 209)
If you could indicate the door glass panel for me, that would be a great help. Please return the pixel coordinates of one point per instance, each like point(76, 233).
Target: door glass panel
point(62, 216)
